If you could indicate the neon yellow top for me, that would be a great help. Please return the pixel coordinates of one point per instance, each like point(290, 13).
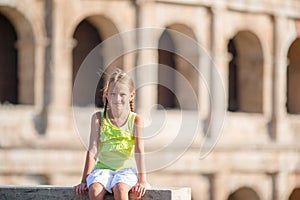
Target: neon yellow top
point(116, 145)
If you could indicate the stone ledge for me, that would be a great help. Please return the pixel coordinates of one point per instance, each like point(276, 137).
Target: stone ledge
point(66, 193)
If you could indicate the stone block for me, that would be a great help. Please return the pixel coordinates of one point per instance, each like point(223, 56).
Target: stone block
point(63, 193)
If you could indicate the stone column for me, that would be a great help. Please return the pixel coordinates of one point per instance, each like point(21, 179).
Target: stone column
point(146, 61)
point(43, 73)
point(61, 59)
point(39, 84)
point(218, 101)
point(40, 45)
point(278, 78)
point(220, 186)
point(204, 83)
point(58, 64)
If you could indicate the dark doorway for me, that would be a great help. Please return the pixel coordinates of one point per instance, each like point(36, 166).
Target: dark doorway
point(87, 37)
point(8, 62)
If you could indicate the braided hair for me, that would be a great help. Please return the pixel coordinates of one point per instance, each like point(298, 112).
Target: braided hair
point(121, 77)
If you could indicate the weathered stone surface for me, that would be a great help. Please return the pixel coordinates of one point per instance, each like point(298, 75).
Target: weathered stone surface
point(63, 193)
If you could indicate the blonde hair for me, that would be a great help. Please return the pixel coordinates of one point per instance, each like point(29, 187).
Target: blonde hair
point(121, 77)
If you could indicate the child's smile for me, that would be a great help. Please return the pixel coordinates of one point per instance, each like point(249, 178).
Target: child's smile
point(119, 96)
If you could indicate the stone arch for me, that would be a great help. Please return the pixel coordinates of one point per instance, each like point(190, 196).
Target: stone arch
point(183, 60)
point(89, 33)
point(295, 195)
point(244, 193)
point(293, 78)
point(25, 60)
point(245, 73)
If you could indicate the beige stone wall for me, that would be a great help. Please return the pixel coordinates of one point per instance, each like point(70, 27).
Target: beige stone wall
point(256, 150)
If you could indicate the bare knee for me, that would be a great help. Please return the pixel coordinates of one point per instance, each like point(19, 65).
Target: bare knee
point(121, 189)
point(96, 191)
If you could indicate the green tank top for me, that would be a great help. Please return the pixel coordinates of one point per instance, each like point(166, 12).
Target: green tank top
point(116, 147)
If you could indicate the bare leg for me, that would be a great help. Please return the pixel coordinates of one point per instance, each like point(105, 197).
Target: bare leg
point(96, 191)
point(121, 191)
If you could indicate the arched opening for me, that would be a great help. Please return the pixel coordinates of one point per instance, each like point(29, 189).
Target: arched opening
point(293, 78)
point(244, 193)
point(87, 38)
point(245, 73)
point(166, 92)
point(181, 55)
point(90, 33)
point(9, 80)
point(18, 33)
point(295, 195)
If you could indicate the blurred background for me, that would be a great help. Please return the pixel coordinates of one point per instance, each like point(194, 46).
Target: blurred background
point(254, 45)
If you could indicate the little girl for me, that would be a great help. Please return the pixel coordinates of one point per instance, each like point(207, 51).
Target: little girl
point(114, 161)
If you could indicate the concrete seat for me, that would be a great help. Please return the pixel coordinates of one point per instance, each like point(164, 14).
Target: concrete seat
point(66, 193)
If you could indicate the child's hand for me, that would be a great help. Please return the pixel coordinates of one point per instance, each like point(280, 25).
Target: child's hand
point(139, 189)
point(80, 188)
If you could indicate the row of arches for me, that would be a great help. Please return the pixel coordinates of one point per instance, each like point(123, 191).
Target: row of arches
point(246, 68)
point(17, 59)
point(247, 193)
point(169, 92)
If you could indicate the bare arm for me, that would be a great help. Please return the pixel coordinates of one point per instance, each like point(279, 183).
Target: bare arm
point(140, 187)
point(92, 153)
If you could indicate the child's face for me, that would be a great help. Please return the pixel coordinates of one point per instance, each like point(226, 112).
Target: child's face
point(119, 96)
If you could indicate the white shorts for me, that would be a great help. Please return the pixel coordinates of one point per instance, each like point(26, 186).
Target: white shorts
point(109, 178)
